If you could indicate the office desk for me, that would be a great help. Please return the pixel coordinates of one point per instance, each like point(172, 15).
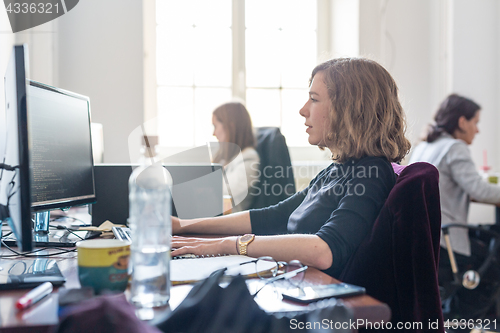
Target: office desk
point(42, 317)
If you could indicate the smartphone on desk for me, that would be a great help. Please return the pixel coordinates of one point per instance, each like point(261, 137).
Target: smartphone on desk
point(315, 293)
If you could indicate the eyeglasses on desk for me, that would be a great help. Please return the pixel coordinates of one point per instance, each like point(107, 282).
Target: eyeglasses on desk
point(270, 270)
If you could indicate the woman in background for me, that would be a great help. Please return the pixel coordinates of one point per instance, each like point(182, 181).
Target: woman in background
point(459, 181)
point(233, 130)
point(353, 109)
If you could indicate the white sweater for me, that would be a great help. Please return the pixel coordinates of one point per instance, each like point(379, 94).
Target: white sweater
point(242, 176)
point(459, 182)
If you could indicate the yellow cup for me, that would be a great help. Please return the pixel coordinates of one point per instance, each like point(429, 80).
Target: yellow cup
point(103, 264)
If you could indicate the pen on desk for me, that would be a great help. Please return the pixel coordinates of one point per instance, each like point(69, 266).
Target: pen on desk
point(34, 296)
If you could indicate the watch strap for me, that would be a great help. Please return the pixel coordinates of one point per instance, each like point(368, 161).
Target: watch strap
point(242, 243)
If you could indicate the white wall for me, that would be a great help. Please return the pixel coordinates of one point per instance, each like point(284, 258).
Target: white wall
point(433, 48)
point(100, 54)
point(402, 35)
point(6, 42)
point(475, 73)
point(476, 58)
point(96, 49)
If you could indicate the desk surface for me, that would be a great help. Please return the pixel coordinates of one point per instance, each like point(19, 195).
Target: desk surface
point(42, 317)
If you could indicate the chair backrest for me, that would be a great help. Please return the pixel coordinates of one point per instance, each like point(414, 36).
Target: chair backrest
point(276, 181)
point(398, 262)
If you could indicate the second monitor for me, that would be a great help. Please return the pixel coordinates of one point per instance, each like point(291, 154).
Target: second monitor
point(197, 191)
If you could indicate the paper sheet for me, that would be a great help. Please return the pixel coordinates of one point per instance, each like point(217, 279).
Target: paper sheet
point(196, 269)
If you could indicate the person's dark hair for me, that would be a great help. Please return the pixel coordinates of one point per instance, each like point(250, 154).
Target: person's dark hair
point(237, 124)
point(448, 114)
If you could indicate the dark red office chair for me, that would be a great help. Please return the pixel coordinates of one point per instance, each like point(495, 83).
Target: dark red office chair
point(398, 262)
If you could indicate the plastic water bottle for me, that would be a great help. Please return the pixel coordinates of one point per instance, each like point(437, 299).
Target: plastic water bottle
point(151, 228)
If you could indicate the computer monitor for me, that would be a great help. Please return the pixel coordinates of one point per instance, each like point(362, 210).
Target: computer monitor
point(62, 165)
point(196, 191)
point(55, 167)
point(15, 191)
point(61, 159)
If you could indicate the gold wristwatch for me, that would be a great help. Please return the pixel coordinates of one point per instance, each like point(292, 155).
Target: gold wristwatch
point(243, 242)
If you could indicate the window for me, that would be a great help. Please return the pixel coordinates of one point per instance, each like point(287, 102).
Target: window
point(207, 52)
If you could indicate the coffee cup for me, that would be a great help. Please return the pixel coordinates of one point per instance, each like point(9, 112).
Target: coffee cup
point(493, 179)
point(103, 264)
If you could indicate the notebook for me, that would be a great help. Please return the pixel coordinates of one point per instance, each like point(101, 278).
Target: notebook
point(190, 270)
point(29, 273)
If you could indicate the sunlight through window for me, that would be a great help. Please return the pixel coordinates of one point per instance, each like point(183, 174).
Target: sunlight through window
point(194, 69)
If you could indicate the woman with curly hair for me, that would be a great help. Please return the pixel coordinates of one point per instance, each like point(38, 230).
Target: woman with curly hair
point(353, 110)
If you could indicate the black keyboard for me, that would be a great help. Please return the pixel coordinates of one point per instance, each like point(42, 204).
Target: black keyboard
point(123, 233)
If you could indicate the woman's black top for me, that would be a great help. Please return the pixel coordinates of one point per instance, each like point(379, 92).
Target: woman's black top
point(340, 206)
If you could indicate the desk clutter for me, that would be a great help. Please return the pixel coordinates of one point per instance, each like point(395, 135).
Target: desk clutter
point(105, 228)
point(28, 273)
point(219, 301)
point(207, 308)
point(212, 308)
point(213, 285)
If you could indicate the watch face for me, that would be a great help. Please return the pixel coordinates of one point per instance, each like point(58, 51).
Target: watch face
point(246, 238)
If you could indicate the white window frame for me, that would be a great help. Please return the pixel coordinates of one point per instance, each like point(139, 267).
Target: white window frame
point(325, 44)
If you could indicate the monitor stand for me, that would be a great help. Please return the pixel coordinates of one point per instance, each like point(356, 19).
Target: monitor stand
point(55, 238)
point(42, 220)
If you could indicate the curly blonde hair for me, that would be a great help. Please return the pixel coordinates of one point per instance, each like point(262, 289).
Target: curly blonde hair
point(366, 117)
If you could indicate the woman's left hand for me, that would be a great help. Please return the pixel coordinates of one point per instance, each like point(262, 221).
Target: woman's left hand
point(203, 246)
